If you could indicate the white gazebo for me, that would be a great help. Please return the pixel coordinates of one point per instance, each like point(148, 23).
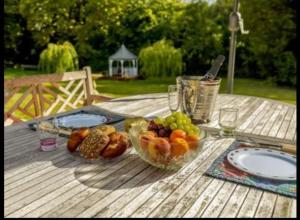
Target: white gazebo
point(127, 63)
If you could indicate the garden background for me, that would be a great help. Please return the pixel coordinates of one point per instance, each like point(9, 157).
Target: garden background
point(198, 30)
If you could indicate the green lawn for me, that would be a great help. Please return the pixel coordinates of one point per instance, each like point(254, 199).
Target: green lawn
point(251, 87)
point(114, 88)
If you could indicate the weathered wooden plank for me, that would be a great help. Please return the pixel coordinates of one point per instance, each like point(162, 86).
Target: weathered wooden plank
point(283, 207)
point(32, 166)
point(220, 200)
point(39, 166)
point(250, 204)
point(116, 194)
point(250, 119)
point(108, 196)
point(119, 178)
point(36, 191)
point(292, 127)
point(31, 194)
point(32, 179)
point(294, 209)
point(171, 181)
point(266, 205)
point(258, 128)
point(32, 145)
point(36, 155)
point(166, 173)
point(279, 120)
point(235, 201)
point(33, 148)
point(262, 114)
point(70, 189)
point(270, 122)
point(188, 200)
point(179, 194)
point(204, 199)
point(171, 195)
point(149, 175)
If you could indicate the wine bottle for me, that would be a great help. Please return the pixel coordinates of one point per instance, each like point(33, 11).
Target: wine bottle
point(215, 67)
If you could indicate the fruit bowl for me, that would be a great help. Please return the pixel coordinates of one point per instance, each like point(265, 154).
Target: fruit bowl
point(171, 152)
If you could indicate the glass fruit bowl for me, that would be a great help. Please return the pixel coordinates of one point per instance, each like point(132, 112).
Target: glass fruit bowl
point(163, 153)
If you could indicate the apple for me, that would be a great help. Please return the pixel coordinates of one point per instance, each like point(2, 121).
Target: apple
point(145, 138)
point(159, 147)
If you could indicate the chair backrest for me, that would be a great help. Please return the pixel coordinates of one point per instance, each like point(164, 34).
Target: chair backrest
point(46, 94)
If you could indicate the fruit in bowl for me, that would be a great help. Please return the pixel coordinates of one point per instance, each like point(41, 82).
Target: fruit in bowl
point(167, 142)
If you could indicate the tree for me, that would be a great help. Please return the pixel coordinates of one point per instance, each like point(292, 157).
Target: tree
point(17, 39)
point(161, 59)
point(58, 58)
point(272, 30)
point(200, 37)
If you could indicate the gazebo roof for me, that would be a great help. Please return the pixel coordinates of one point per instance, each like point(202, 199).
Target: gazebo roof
point(123, 54)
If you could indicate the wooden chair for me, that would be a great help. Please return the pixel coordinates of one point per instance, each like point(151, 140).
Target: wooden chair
point(48, 94)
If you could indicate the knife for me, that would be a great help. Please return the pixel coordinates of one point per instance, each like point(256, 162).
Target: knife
point(288, 148)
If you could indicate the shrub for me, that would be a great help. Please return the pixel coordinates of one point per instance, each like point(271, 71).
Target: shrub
point(58, 58)
point(285, 69)
point(161, 59)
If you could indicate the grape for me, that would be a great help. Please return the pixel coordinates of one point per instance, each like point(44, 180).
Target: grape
point(187, 127)
point(165, 124)
point(175, 114)
point(180, 126)
point(189, 120)
point(161, 132)
point(173, 126)
point(179, 122)
point(170, 119)
point(159, 127)
point(158, 120)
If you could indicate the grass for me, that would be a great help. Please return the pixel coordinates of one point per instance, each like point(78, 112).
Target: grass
point(114, 88)
point(250, 87)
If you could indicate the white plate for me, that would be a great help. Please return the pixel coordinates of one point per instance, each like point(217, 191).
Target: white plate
point(264, 162)
point(81, 120)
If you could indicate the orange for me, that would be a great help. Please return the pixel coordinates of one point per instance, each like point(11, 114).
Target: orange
point(179, 147)
point(178, 133)
point(192, 140)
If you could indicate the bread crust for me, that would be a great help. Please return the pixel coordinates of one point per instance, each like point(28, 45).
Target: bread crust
point(93, 144)
point(106, 129)
point(76, 137)
point(117, 145)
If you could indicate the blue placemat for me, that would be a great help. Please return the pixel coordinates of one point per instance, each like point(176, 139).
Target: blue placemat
point(222, 169)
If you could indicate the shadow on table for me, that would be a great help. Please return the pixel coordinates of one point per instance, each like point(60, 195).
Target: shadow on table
point(126, 171)
point(32, 154)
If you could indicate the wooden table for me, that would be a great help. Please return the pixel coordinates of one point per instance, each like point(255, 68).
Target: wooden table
point(54, 184)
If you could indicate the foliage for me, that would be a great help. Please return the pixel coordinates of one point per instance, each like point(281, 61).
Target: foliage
point(271, 40)
point(97, 28)
point(200, 36)
point(161, 59)
point(18, 40)
point(58, 58)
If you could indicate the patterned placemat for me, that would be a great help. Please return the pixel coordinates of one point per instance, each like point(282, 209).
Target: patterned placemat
point(222, 169)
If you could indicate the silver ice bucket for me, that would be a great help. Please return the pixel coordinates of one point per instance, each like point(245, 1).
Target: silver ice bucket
point(200, 96)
